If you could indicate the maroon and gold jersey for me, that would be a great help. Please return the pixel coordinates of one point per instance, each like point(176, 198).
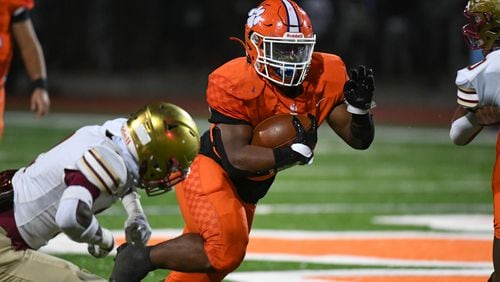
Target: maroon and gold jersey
point(7, 9)
point(237, 91)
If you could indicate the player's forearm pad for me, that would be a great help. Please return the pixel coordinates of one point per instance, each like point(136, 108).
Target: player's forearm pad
point(362, 127)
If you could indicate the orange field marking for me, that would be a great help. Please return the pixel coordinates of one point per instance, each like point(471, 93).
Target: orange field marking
point(395, 248)
point(442, 249)
point(453, 257)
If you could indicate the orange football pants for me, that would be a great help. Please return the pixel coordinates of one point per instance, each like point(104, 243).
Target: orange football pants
point(211, 208)
point(495, 185)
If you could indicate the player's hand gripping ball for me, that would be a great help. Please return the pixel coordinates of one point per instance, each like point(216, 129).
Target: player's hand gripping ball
point(279, 130)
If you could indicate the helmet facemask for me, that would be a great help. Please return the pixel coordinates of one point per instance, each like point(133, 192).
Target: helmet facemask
point(283, 60)
point(483, 28)
point(165, 184)
point(279, 41)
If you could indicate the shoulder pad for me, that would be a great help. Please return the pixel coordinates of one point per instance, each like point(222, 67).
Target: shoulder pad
point(104, 168)
point(466, 75)
point(239, 79)
point(327, 67)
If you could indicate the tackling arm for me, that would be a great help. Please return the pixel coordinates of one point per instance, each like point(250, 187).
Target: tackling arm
point(137, 229)
point(75, 218)
point(464, 126)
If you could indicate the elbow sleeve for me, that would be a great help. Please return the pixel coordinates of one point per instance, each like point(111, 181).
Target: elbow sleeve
point(74, 216)
point(464, 129)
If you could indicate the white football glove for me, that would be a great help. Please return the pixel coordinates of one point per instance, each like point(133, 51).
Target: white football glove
point(104, 246)
point(137, 230)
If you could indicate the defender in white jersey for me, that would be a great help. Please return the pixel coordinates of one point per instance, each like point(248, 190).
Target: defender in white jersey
point(478, 95)
point(63, 189)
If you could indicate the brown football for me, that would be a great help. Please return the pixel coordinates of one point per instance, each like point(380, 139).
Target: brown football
point(278, 131)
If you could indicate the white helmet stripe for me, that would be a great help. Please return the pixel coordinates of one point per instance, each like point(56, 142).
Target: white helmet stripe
point(293, 18)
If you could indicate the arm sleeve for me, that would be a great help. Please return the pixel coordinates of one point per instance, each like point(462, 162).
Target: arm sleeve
point(74, 216)
point(464, 129)
point(132, 204)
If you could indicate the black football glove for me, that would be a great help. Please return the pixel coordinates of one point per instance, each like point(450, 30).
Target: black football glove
point(358, 90)
point(309, 137)
point(132, 263)
point(299, 152)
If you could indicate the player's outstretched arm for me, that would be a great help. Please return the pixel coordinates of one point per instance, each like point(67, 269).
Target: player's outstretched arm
point(137, 228)
point(75, 218)
point(464, 126)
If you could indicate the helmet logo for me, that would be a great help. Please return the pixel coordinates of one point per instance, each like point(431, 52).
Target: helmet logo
point(254, 16)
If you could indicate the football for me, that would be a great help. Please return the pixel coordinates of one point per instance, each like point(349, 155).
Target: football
point(278, 131)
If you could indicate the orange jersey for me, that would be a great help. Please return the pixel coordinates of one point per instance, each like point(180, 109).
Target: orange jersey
point(7, 10)
point(237, 91)
point(495, 185)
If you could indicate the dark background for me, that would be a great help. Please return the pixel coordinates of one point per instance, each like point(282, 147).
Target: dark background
point(160, 48)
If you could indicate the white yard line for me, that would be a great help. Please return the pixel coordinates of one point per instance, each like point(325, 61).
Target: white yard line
point(337, 275)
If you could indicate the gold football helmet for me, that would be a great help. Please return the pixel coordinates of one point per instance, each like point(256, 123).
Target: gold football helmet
point(483, 29)
point(166, 140)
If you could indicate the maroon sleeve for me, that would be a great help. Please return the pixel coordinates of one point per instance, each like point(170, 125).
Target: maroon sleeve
point(75, 177)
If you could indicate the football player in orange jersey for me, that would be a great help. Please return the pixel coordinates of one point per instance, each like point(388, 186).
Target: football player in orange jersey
point(281, 73)
point(15, 23)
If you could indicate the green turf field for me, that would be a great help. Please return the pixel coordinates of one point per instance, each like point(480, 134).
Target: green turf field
point(407, 170)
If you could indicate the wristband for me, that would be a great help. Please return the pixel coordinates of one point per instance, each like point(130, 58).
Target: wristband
point(284, 157)
point(358, 111)
point(298, 153)
point(39, 83)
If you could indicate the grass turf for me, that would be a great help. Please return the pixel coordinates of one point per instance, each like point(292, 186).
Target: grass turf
point(407, 170)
